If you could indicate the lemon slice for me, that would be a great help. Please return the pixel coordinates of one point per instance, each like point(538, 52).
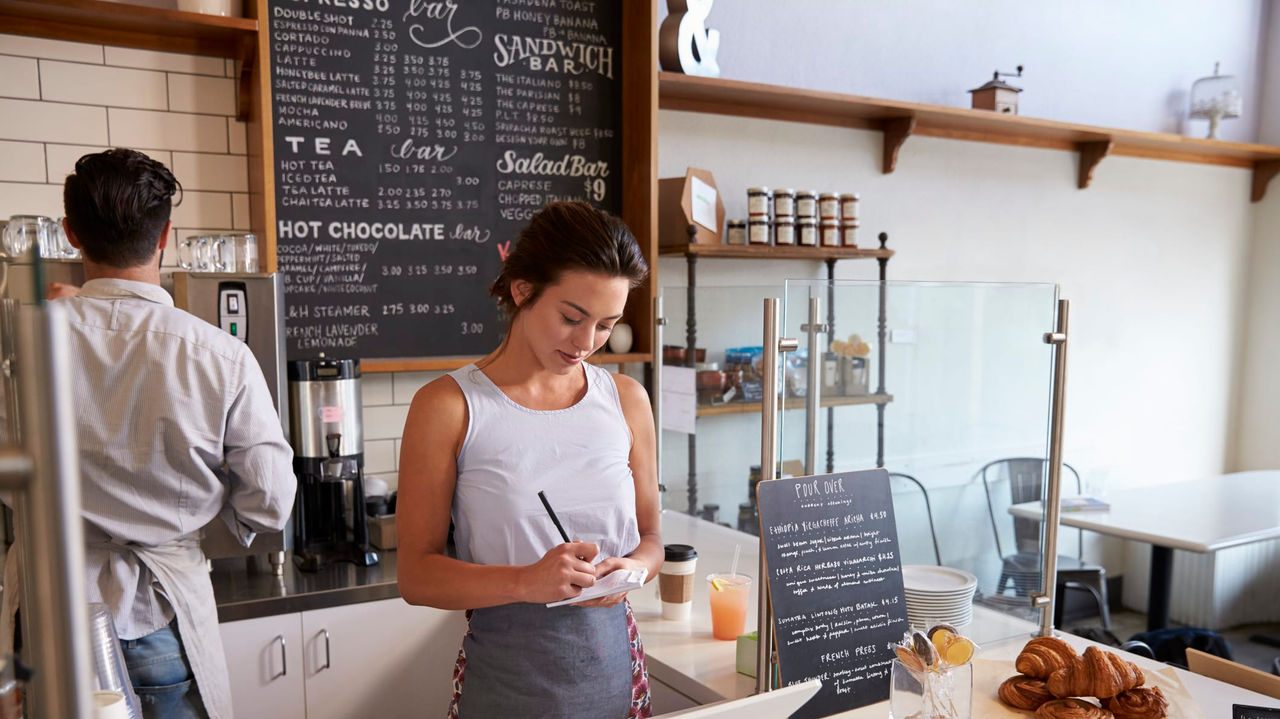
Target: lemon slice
point(958, 651)
point(941, 638)
point(717, 584)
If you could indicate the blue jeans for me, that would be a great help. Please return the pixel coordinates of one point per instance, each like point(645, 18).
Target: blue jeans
point(161, 675)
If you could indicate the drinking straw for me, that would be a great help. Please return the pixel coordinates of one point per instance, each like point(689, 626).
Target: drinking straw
point(733, 568)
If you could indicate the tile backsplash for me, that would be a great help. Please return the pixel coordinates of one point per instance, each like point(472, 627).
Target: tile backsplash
point(60, 100)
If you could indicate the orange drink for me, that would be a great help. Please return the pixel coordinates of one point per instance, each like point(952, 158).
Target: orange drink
point(729, 595)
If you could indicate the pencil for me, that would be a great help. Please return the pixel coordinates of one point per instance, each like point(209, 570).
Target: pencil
point(552, 513)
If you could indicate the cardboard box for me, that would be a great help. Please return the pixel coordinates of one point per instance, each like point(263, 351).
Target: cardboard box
point(382, 531)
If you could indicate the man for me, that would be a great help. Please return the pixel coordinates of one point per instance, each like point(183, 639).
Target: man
point(175, 425)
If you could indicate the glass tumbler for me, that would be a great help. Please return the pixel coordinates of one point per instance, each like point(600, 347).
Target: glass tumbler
point(26, 231)
point(941, 694)
point(244, 251)
point(195, 254)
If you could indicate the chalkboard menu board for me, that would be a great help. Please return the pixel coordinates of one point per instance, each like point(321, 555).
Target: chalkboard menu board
point(835, 582)
point(413, 139)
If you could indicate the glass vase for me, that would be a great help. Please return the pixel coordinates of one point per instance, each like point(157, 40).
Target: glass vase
point(931, 694)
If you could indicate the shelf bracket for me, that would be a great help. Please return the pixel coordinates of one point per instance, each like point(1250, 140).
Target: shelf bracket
point(896, 131)
point(1091, 153)
point(1263, 171)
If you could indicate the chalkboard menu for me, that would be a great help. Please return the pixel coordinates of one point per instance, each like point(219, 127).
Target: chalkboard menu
point(413, 139)
point(835, 582)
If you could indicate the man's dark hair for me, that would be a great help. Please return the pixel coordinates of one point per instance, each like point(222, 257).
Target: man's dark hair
point(116, 204)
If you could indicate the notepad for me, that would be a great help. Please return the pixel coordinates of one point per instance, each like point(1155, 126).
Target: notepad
point(619, 580)
point(1084, 504)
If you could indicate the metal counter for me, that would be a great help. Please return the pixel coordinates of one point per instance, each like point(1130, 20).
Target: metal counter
point(245, 588)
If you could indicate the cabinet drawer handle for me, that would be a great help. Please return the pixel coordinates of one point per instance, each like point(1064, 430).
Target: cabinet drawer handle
point(284, 661)
point(327, 663)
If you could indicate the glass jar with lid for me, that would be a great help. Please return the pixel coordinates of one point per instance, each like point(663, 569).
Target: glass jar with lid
point(849, 206)
point(806, 203)
point(807, 231)
point(849, 233)
point(828, 206)
point(758, 231)
point(758, 201)
point(784, 202)
point(784, 231)
point(829, 233)
point(735, 232)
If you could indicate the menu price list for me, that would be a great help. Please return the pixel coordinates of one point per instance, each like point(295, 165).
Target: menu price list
point(835, 581)
point(413, 140)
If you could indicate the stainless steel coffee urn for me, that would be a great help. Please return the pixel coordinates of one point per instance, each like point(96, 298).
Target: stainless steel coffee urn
point(328, 458)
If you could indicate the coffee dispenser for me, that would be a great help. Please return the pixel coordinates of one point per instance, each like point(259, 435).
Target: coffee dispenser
point(328, 458)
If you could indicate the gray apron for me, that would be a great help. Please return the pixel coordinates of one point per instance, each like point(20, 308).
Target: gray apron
point(559, 663)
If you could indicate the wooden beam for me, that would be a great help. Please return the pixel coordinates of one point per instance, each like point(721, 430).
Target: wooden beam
point(1263, 171)
point(896, 131)
point(1091, 153)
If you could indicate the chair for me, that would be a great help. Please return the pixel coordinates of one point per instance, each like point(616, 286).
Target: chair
point(928, 510)
point(1225, 670)
point(1022, 569)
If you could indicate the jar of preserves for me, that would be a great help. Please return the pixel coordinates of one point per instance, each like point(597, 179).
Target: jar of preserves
point(849, 233)
point(806, 203)
point(829, 232)
point(735, 232)
point(828, 206)
point(758, 231)
point(807, 231)
point(784, 202)
point(784, 231)
point(849, 206)
point(758, 201)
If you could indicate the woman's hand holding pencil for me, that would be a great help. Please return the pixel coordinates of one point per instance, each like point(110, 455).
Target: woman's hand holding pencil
point(562, 573)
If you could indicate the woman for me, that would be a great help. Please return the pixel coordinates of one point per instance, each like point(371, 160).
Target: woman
point(481, 442)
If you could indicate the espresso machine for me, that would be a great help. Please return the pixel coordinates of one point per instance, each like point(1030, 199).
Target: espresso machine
point(249, 307)
point(329, 520)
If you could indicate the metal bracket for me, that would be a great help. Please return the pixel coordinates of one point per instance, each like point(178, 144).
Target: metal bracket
point(1039, 601)
point(788, 344)
point(819, 327)
point(1055, 338)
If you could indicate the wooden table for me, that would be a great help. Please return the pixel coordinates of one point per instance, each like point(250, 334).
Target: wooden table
point(1203, 515)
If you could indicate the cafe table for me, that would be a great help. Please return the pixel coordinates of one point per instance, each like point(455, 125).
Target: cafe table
point(1203, 515)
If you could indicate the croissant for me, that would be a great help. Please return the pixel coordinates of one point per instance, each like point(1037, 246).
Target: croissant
point(1071, 709)
point(1024, 692)
point(1043, 656)
point(1142, 703)
point(1097, 674)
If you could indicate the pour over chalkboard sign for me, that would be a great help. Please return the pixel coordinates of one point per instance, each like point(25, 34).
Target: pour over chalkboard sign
point(835, 583)
point(413, 139)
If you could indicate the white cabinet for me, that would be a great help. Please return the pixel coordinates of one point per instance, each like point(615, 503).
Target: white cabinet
point(382, 659)
point(264, 659)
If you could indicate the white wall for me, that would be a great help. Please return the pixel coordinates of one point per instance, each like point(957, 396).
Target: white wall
point(1152, 257)
point(1116, 64)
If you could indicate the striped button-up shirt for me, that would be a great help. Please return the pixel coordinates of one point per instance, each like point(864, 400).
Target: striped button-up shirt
point(175, 426)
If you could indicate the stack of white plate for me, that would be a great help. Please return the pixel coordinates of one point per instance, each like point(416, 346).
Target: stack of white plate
point(938, 594)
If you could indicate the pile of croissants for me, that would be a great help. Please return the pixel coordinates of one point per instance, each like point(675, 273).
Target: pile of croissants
point(1053, 677)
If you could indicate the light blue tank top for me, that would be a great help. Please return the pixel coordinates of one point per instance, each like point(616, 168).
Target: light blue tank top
point(578, 455)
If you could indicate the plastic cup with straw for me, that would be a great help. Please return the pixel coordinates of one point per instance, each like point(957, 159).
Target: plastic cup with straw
point(729, 595)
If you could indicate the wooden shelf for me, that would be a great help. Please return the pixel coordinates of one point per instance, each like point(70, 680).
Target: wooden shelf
point(776, 252)
point(793, 403)
point(445, 364)
point(899, 120)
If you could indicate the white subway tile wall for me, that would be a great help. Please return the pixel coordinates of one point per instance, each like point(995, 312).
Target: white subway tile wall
point(61, 100)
